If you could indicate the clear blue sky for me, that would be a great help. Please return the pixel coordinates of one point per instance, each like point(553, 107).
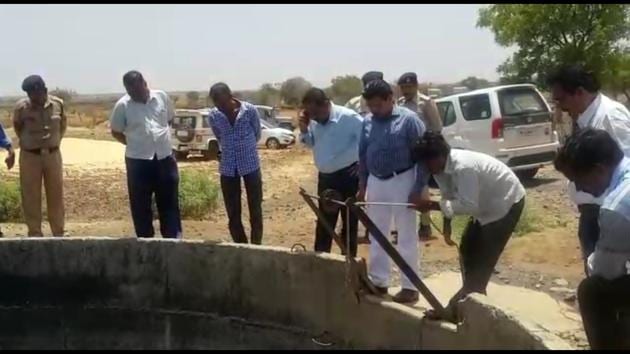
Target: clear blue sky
point(187, 47)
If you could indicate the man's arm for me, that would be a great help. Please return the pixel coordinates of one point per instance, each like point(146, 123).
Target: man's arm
point(63, 123)
point(212, 124)
point(466, 201)
point(255, 121)
point(432, 114)
point(612, 249)
point(415, 130)
point(118, 123)
point(170, 110)
point(618, 126)
point(18, 124)
point(363, 145)
point(307, 138)
point(5, 141)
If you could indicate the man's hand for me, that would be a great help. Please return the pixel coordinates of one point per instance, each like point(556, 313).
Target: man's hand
point(417, 199)
point(303, 121)
point(361, 194)
point(10, 160)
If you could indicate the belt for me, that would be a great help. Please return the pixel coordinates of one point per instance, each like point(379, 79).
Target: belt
point(39, 151)
point(396, 173)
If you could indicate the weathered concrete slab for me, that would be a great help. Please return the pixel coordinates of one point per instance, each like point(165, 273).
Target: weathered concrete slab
point(265, 285)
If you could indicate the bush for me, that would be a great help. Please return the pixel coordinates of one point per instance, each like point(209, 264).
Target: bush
point(10, 202)
point(198, 194)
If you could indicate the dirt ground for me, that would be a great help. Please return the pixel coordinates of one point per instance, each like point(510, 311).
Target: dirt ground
point(97, 205)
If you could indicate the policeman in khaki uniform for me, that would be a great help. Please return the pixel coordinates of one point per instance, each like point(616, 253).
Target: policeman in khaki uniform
point(427, 110)
point(40, 123)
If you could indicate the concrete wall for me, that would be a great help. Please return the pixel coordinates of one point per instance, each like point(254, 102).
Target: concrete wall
point(263, 284)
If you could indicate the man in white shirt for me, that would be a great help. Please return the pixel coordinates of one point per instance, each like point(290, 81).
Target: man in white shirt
point(576, 91)
point(141, 120)
point(594, 161)
point(475, 184)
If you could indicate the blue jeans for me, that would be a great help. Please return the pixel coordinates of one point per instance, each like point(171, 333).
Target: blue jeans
point(146, 177)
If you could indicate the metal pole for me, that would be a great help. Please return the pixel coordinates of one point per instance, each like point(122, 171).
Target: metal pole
point(397, 258)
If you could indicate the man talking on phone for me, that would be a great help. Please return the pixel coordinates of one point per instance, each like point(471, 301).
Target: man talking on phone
point(333, 133)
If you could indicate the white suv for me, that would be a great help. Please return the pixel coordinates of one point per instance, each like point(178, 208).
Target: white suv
point(512, 123)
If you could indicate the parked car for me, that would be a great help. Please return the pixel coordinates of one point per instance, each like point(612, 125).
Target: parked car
point(512, 123)
point(274, 137)
point(191, 134)
point(270, 114)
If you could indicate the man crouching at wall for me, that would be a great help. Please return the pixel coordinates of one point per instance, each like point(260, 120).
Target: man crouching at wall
point(475, 184)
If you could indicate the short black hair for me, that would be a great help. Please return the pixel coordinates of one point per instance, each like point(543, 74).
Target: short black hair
point(132, 77)
point(377, 88)
point(315, 95)
point(572, 77)
point(585, 149)
point(430, 146)
point(220, 88)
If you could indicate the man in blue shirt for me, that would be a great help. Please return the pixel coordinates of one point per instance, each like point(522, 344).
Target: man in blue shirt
point(388, 173)
point(333, 133)
point(5, 143)
point(236, 125)
point(595, 163)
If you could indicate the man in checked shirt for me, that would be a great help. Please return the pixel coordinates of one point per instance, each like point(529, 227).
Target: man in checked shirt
point(236, 125)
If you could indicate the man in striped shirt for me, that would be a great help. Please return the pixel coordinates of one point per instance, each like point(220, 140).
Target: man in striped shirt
point(236, 125)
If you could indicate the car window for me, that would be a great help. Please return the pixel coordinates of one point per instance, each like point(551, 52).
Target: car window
point(475, 107)
point(184, 122)
point(204, 121)
point(520, 101)
point(447, 113)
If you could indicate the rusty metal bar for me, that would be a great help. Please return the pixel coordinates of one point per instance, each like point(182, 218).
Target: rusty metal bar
point(360, 268)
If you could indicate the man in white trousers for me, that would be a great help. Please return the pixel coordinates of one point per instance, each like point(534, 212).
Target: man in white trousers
point(388, 174)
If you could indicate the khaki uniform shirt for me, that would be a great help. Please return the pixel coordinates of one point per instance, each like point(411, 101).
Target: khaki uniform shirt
point(426, 109)
point(358, 105)
point(39, 128)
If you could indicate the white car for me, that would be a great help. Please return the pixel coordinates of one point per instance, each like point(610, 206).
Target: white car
point(512, 123)
point(275, 137)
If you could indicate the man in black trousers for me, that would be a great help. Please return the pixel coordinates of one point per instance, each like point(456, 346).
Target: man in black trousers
point(333, 133)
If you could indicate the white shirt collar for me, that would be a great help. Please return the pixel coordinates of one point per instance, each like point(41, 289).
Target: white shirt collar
point(587, 116)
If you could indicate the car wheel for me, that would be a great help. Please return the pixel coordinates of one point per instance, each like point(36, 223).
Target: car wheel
point(180, 155)
point(272, 143)
point(213, 151)
point(527, 174)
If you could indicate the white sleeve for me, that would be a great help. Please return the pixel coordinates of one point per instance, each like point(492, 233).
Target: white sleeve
point(618, 126)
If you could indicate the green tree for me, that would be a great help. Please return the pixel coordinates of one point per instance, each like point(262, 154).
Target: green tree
point(617, 77)
point(293, 90)
point(551, 34)
point(474, 83)
point(344, 88)
point(268, 95)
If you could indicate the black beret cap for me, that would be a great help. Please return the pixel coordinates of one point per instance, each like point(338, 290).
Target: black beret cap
point(408, 78)
point(33, 83)
point(370, 76)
